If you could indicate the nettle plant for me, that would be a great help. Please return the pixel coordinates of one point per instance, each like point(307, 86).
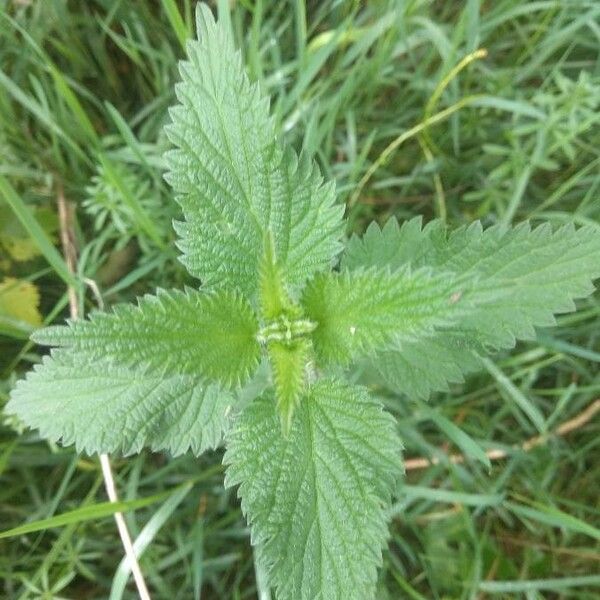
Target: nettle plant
point(316, 458)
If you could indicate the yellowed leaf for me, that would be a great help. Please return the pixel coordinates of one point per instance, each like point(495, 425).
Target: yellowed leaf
point(20, 249)
point(15, 239)
point(20, 300)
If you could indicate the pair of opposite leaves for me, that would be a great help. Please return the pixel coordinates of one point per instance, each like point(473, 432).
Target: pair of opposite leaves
point(176, 371)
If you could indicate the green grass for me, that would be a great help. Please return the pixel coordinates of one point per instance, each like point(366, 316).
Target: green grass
point(373, 90)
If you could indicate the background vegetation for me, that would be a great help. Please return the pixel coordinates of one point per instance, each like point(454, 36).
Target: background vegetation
point(84, 92)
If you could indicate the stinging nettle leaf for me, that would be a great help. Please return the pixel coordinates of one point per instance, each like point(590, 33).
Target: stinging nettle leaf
point(236, 181)
point(103, 407)
point(518, 279)
point(357, 313)
point(316, 499)
point(275, 300)
point(392, 245)
point(208, 335)
point(421, 366)
point(289, 363)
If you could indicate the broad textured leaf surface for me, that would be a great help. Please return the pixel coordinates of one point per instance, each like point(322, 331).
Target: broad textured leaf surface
point(209, 335)
point(235, 180)
point(518, 279)
point(421, 366)
point(102, 407)
point(362, 311)
point(316, 498)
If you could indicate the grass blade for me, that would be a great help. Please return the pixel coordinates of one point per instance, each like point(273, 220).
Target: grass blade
point(88, 513)
point(466, 444)
point(553, 517)
point(536, 585)
point(176, 21)
point(148, 533)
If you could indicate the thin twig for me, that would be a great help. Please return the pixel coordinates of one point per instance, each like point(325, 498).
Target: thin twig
point(576, 422)
point(65, 216)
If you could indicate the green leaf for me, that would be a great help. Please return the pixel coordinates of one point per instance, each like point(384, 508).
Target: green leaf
point(236, 181)
point(316, 499)
point(517, 278)
point(209, 335)
point(391, 245)
point(360, 312)
point(103, 407)
point(275, 300)
point(408, 368)
point(289, 363)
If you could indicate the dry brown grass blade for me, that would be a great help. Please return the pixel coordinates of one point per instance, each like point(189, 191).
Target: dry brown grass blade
point(576, 422)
